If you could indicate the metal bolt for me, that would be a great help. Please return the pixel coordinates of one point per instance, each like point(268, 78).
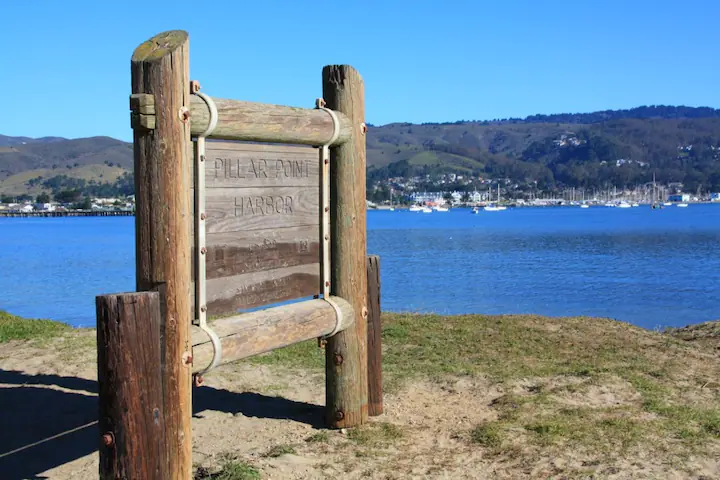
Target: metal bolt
point(363, 128)
point(327, 209)
point(108, 439)
point(203, 309)
point(327, 237)
point(338, 359)
point(194, 86)
point(187, 358)
point(364, 312)
point(202, 158)
point(327, 284)
point(202, 216)
point(203, 251)
point(327, 161)
point(319, 103)
point(197, 380)
point(184, 114)
point(339, 415)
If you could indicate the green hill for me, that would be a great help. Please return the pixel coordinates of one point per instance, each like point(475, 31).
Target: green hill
point(593, 150)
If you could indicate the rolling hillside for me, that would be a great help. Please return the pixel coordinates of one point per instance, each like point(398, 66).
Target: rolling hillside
point(620, 147)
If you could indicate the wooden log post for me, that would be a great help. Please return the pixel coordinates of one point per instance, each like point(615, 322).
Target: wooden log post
point(259, 122)
point(261, 331)
point(374, 338)
point(163, 221)
point(346, 353)
point(132, 432)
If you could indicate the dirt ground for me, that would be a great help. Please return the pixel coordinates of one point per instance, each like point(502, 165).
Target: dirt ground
point(270, 417)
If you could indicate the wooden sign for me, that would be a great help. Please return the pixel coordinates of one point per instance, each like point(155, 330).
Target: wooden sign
point(263, 224)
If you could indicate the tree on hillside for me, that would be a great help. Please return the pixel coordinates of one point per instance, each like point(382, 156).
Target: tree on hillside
point(448, 197)
point(86, 204)
point(67, 196)
point(4, 198)
point(43, 198)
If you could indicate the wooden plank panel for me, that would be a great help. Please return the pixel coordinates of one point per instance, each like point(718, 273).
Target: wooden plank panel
point(243, 209)
point(229, 294)
point(239, 165)
point(230, 254)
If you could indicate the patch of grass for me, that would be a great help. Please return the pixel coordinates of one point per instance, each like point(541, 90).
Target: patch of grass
point(279, 451)
point(547, 431)
point(377, 434)
point(304, 355)
point(319, 437)
point(487, 434)
point(13, 327)
point(230, 470)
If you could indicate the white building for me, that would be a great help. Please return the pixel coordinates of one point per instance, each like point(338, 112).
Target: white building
point(44, 207)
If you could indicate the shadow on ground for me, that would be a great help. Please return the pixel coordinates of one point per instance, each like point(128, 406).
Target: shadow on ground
point(49, 420)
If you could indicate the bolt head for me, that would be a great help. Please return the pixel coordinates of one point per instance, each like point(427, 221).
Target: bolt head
point(203, 308)
point(327, 284)
point(107, 439)
point(339, 415)
point(203, 216)
point(203, 250)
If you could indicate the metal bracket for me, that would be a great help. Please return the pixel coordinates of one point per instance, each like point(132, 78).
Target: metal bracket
point(200, 240)
point(325, 226)
point(142, 111)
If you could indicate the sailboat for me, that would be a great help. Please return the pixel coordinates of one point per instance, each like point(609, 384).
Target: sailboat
point(496, 207)
point(655, 202)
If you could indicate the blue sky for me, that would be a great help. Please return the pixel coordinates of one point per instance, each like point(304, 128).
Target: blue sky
point(66, 64)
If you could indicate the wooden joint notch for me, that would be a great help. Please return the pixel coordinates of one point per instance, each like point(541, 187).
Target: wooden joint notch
point(142, 111)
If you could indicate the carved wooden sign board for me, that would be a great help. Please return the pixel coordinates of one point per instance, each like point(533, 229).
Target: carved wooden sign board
point(262, 229)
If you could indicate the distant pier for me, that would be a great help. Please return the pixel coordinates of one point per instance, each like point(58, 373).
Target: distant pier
point(73, 213)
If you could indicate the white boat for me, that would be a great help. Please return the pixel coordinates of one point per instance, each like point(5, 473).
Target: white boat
point(416, 208)
point(426, 210)
point(624, 205)
point(494, 207)
point(667, 204)
point(392, 209)
point(610, 204)
point(682, 205)
point(440, 209)
point(584, 205)
point(475, 210)
point(635, 204)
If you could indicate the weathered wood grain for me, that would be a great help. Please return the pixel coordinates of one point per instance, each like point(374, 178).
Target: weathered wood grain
point(259, 122)
point(374, 338)
point(242, 210)
point(346, 383)
point(132, 430)
point(236, 164)
point(160, 67)
point(238, 254)
point(230, 294)
point(258, 332)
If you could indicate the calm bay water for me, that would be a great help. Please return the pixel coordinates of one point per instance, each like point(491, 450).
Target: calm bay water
point(651, 268)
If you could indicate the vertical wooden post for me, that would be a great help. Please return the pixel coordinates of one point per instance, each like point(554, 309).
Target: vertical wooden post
point(160, 67)
point(346, 352)
point(374, 338)
point(132, 436)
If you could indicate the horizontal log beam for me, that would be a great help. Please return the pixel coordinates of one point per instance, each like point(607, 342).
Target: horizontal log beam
point(262, 331)
point(259, 122)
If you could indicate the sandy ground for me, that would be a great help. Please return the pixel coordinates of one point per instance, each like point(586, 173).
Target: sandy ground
point(49, 407)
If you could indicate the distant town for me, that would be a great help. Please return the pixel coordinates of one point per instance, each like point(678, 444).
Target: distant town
point(42, 206)
point(466, 190)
